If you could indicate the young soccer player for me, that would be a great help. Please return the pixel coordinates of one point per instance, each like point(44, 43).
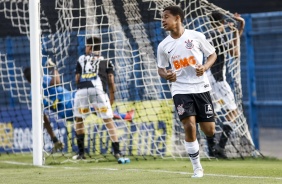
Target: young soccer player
point(217, 76)
point(92, 93)
point(59, 99)
point(184, 50)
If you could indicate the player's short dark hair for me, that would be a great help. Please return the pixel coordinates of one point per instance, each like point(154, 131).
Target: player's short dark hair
point(95, 42)
point(216, 16)
point(175, 10)
point(27, 74)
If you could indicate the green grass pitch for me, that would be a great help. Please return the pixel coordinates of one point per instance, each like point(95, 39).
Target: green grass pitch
point(18, 168)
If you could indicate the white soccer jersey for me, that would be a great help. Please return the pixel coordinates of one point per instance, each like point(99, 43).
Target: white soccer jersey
point(182, 54)
point(90, 93)
point(88, 67)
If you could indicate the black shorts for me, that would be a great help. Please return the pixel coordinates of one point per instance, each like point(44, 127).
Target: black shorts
point(199, 105)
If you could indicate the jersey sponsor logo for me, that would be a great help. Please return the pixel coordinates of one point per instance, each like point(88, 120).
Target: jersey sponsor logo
point(83, 110)
point(185, 62)
point(189, 44)
point(206, 85)
point(170, 51)
point(208, 109)
point(180, 109)
point(102, 109)
point(88, 75)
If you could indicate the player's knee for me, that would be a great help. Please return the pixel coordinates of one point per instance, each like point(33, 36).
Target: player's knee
point(208, 128)
point(209, 132)
point(189, 125)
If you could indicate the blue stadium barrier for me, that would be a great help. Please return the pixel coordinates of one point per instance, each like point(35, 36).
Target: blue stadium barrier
point(261, 71)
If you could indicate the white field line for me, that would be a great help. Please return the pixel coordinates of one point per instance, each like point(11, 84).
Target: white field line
point(216, 175)
point(156, 171)
point(23, 163)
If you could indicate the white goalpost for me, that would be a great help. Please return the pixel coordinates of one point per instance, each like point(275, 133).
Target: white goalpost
point(130, 31)
point(35, 58)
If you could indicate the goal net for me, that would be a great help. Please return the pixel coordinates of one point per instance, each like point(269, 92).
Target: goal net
point(130, 31)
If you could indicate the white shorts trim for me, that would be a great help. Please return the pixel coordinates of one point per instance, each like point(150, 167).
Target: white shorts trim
point(90, 100)
point(222, 95)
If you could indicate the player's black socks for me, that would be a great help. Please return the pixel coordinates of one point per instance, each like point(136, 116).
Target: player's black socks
point(80, 143)
point(211, 141)
point(115, 146)
point(211, 144)
point(225, 135)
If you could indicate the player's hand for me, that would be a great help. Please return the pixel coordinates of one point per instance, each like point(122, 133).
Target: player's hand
point(237, 16)
point(200, 69)
point(58, 146)
point(50, 63)
point(112, 99)
point(171, 76)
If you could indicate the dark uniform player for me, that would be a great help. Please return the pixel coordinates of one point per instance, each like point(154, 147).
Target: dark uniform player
point(91, 93)
point(222, 93)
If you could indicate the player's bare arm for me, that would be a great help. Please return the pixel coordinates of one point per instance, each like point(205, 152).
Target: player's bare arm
point(200, 69)
point(77, 78)
point(242, 22)
point(56, 80)
point(167, 74)
point(112, 88)
point(234, 44)
point(236, 35)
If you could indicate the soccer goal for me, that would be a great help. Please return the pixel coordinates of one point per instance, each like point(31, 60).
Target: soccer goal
point(130, 31)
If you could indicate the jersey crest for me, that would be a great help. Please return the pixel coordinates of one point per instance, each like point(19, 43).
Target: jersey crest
point(180, 109)
point(189, 44)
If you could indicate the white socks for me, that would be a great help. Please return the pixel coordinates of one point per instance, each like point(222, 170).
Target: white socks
point(192, 149)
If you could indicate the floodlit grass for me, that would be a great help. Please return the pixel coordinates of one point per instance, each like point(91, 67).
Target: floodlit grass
point(19, 169)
